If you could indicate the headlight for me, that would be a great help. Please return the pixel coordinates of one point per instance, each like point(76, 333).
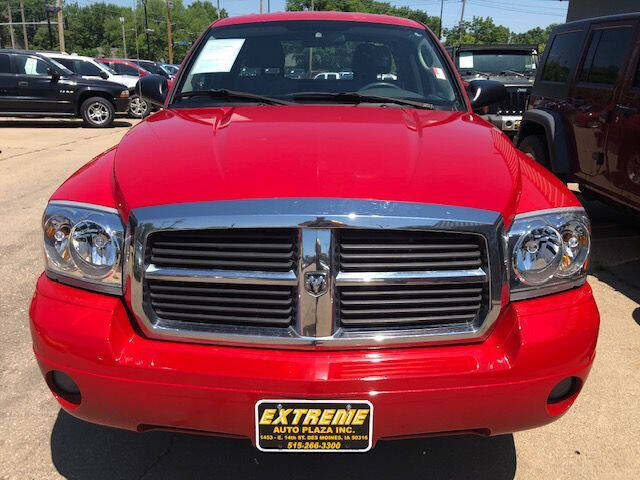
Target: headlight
point(83, 246)
point(548, 252)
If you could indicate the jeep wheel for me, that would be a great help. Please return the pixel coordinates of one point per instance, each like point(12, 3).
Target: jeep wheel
point(138, 108)
point(97, 112)
point(534, 146)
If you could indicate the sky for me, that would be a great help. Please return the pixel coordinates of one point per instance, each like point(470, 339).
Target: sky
point(518, 15)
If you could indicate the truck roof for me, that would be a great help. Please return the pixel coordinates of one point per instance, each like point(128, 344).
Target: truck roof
point(341, 16)
point(498, 46)
point(607, 18)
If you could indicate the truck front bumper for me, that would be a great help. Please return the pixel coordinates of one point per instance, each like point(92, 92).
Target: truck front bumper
point(499, 385)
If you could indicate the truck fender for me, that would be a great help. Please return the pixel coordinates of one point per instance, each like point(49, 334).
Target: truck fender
point(549, 124)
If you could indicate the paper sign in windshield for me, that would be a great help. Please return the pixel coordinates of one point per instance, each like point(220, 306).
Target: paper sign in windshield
point(465, 60)
point(218, 55)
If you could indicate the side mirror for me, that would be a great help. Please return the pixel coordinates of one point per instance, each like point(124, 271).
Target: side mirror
point(104, 75)
point(483, 93)
point(153, 89)
point(55, 75)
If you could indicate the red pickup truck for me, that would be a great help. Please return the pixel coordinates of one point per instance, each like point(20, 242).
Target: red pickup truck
point(315, 264)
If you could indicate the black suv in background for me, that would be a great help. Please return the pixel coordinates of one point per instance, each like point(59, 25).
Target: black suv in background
point(34, 85)
point(513, 65)
point(583, 121)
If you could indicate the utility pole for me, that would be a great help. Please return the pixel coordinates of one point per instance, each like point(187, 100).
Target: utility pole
point(60, 26)
point(218, 8)
point(146, 28)
point(135, 24)
point(260, 6)
point(464, 2)
point(311, 50)
point(11, 32)
point(169, 36)
point(24, 26)
point(49, 9)
point(124, 38)
point(268, 6)
point(440, 23)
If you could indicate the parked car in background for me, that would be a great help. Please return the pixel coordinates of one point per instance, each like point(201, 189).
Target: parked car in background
point(170, 69)
point(326, 76)
point(138, 107)
point(347, 261)
point(583, 121)
point(35, 85)
point(89, 68)
point(514, 65)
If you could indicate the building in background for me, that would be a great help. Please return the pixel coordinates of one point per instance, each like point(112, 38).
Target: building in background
point(579, 9)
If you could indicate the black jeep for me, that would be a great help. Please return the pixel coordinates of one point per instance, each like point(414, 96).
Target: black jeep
point(511, 64)
point(34, 85)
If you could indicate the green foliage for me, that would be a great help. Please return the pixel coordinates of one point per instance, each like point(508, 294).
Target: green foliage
point(366, 6)
point(477, 30)
point(96, 29)
point(536, 36)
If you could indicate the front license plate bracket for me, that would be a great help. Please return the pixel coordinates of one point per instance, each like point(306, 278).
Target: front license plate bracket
point(314, 425)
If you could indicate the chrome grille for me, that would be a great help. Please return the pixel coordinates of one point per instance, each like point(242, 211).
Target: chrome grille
point(386, 273)
point(235, 249)
point(207, 303)
point(388, 251)
point(396, 306)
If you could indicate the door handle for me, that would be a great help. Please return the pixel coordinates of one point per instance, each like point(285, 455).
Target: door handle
point(23, 84)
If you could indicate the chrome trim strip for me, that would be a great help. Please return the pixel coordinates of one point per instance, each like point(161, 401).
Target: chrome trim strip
point(84, 283)
point(411, 278)
point(90, 206)
point(525, 293)
point(548, 211)
point(220, 276)
point(323, 216)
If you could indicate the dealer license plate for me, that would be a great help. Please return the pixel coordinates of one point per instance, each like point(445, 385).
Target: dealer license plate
point(314, 425)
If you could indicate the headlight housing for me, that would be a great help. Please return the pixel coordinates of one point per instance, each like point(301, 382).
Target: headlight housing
point(548, 252)
point(83, 246)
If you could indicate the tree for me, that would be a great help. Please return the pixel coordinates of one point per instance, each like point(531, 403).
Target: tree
point(535, 36)
point(366, 6)
point(478, 30)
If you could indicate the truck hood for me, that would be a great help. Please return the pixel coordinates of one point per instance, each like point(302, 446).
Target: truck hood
point(364, 152)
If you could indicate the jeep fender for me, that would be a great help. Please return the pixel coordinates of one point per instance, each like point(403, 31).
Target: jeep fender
point(549, 124)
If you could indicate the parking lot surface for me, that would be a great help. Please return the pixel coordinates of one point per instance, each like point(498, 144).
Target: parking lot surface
point(598, 438)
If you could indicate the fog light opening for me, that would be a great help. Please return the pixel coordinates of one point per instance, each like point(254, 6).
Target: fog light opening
point(63, 386)
point(563, 390)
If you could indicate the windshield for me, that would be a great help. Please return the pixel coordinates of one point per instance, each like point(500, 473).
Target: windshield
point(284, 59)
point(152, 67)
point(106, 68)
point(63, 70)
point(497, 62)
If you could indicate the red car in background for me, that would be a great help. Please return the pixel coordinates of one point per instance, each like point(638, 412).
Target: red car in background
point(315, 264)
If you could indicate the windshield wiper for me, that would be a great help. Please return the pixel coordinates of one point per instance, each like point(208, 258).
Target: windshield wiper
point(513, 72)
point(356, 97)
point(230, 95)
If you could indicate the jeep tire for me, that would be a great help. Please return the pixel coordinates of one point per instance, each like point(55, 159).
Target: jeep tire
point(535, 147)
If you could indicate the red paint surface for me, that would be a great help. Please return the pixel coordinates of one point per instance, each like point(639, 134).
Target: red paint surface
point(500, 384)
point(393, 154)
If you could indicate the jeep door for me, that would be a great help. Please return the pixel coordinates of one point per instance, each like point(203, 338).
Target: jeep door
point(7, 83)
point(623, 142)
point(37, 90)
point(593, 96)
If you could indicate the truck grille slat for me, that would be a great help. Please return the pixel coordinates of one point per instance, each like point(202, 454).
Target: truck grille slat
point(246, 265)
point(413, 321)
point(349, 303)
point(405, 293)
point(223, 319)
